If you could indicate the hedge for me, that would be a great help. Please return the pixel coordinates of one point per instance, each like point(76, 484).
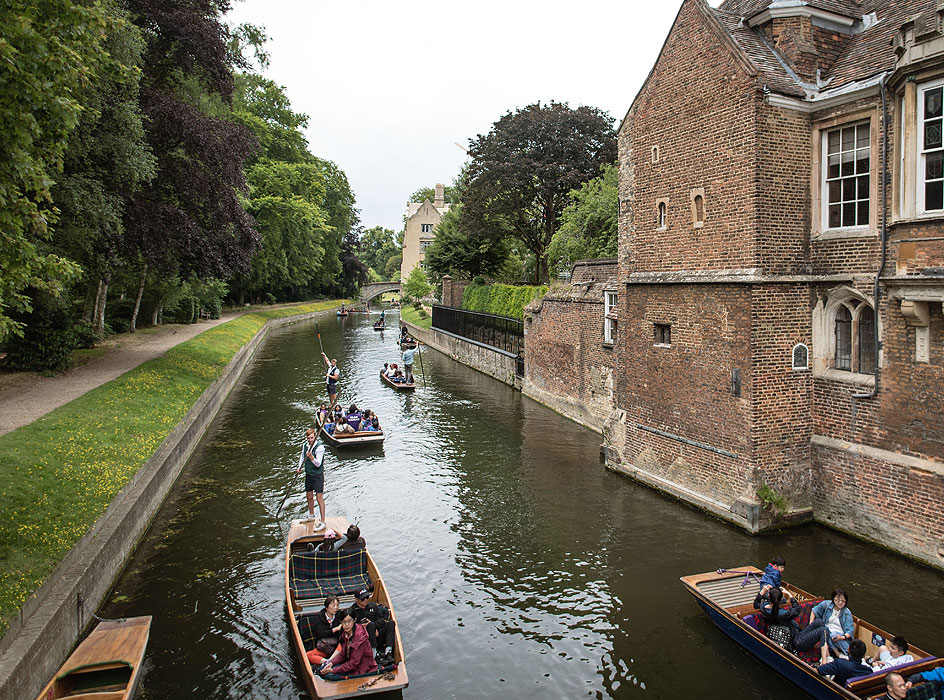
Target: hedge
point(501, 299)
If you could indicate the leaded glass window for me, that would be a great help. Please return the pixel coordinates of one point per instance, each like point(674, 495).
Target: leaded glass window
point(848, 165)
point(866, 337)
point(932, 148)
point(843, 338)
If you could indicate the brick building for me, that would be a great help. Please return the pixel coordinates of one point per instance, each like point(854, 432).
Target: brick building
point(570, 361)
point(756, 234)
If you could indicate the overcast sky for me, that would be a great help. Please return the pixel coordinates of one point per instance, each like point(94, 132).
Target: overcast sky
point(390, 87)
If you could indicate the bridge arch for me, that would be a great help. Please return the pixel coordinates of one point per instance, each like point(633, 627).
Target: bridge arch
point(375, 289)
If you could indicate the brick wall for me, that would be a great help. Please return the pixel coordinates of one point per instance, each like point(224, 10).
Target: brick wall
point(567, 365)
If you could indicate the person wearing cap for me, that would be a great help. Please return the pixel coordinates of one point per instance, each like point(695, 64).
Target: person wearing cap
point(381, 630)
point(312, 461)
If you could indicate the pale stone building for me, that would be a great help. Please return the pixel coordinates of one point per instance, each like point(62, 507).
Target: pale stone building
point(421, 220)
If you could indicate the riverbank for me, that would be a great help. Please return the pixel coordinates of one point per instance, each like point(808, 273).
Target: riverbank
point(61, 472)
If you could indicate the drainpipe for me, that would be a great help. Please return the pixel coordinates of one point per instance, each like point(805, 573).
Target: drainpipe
point(883, 235)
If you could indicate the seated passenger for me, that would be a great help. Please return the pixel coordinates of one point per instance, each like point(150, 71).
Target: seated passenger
point(843, 669)
point(781, 628)
point(838, 622)
point(353, 656)
point(326, 627)
point(375, 423)
point(893, 653)
point(351, 539)
point(322, 413)
point(381, 630)
point(329, 427)
point(773, 573)
point(343, 426)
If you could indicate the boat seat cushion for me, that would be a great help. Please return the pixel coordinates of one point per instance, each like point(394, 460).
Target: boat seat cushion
point(319, 574)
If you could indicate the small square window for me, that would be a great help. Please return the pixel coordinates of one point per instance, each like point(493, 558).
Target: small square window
point(663, 334)
point(426, 228)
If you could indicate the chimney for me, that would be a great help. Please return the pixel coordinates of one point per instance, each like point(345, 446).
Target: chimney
point(440, 200)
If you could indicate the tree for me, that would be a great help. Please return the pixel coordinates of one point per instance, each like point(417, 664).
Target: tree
point(49, 54)
point(460, 255)
point(189, 219)
point(521, 172)
point(378, 245)
point(588, 227)
point(416, 285)
point(353, 270)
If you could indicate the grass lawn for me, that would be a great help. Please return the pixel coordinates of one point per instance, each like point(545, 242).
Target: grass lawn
point(416, 317)
point(60, 473)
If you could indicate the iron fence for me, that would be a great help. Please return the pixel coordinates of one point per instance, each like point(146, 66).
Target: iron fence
point(502, 332)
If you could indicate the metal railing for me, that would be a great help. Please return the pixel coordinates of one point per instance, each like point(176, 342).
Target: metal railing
point(502, 332)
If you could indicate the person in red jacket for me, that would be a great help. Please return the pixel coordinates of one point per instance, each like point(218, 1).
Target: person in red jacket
point(354, 656)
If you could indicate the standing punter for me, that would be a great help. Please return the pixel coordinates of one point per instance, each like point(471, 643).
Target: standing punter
point(312, 459)
point(408, 362)
point(331, 378)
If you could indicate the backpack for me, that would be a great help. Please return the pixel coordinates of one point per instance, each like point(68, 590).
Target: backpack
point(781, 635)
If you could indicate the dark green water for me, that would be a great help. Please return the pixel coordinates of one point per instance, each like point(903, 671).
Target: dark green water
point(518, 566)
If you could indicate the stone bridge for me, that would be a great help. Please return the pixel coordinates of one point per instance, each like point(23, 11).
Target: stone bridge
point(375, 289)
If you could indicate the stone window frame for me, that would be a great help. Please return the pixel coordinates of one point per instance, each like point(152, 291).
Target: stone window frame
point(823, 355)
point(662, 335)
point(426, 228)
point(919, 193)
point(698, 218)
point(655, 154)
point(662, 214)
point(425, 244)
point(819, 207)
point(609, 323)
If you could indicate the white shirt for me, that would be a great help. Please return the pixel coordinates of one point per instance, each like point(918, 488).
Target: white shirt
point(833, 624)
point(886, 660)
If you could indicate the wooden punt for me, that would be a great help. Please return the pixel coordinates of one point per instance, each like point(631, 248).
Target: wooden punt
point(300, 535)
point(106, 666)
point(399, 386)
point(408, 344)
point(361, 438)
point(727, 596)
point(341, 313)
point(380, 326)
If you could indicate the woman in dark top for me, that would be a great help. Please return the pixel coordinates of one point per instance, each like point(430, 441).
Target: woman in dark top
point(326, 627)
point(768, 602)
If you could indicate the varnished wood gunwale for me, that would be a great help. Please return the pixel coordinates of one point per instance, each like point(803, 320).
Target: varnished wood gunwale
point(399, 386)
point(300, 534)
point(827, 688)
point(112, 644)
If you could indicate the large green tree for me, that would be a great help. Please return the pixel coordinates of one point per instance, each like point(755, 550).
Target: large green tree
point(378, 245)
point(521, 172)
point(458, 254)
point(50, 53)
point(588, 226)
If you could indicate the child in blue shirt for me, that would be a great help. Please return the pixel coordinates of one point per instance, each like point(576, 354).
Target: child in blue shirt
point(773, 573)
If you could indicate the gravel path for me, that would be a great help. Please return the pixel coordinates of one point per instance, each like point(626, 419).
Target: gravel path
point(26, 396)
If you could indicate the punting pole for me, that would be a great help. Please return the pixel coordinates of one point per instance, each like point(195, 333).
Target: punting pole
point(418, 343)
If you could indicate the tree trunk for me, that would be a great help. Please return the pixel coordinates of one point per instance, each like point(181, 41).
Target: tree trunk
point(137, 301)
point(91, 300)
point(155, 319)
point(99, 319)
point(241, 298)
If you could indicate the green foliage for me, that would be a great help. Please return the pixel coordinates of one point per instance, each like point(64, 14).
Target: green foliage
point(377, 246)
point(455, 253)
point(263, 107)
point(70, 464)
point(392, 268)
point(588, 227)
point(772, 500)
point(520, 173)
point(50, 53)
point(415, 317)
point(48, 339)
point(416, 285)
point(501, 299)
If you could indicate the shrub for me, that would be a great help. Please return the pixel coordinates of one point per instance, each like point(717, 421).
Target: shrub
point(772, 500)
point(48, 339)
point(501, 299)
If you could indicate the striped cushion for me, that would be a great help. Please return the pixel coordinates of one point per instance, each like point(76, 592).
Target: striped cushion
point(318, 574)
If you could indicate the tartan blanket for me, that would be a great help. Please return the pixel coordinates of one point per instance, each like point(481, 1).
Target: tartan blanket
point(319, 574)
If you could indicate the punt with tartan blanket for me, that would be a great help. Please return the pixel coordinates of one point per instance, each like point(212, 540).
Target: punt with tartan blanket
point(311, 576)
point(361, 438)
point(727, 596)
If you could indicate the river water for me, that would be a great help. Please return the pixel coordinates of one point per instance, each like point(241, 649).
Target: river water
point(518, 566)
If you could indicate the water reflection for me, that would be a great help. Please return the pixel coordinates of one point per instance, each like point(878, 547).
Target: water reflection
point(518, 566)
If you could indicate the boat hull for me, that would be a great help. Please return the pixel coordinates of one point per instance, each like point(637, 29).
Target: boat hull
point(397, 386)
point(301, 533)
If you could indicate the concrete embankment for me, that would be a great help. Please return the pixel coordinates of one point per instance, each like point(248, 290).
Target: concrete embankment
point(52, 621)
